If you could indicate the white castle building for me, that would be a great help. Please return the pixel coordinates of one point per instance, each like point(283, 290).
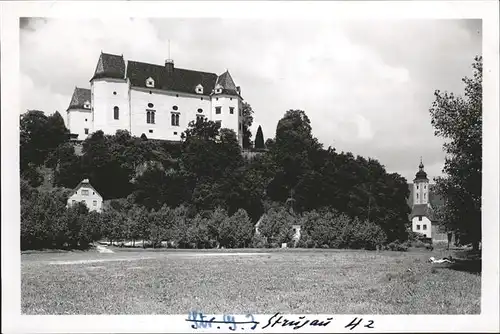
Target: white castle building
point(158, 101)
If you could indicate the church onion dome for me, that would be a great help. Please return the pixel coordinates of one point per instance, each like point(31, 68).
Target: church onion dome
point(421, 174)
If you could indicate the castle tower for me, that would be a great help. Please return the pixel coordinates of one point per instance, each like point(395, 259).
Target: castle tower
point(79, 114)
point(421, 186)
point(110, 95)
point(227, 105)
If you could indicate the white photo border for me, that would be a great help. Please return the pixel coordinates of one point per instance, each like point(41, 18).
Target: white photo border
point(488, 11)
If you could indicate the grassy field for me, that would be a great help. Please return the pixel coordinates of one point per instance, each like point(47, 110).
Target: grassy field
point(259, 281)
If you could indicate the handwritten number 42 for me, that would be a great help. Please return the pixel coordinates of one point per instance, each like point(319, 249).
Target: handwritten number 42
point(355, 322)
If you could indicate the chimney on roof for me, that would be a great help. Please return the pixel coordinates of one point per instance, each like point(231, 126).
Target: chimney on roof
point(169, 66)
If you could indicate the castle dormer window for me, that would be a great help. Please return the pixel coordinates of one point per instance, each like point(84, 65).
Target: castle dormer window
point(86, 105)
point(199, 89)
point(150, 82)
point(218, 89)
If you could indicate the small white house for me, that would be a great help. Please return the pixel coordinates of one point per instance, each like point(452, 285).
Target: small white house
point(84, 192)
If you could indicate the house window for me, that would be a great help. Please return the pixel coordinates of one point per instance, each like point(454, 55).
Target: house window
point(199, 118)
point(85, 119)
point(200, 110)
point(219, 122)
point(94, 203)
point(73, 201)
point(175, 119)
point(150, 116)
point(216, 99)
point(114, 93)
point(419, 218)
point(424, 227)
point(175, 107)
point(176, 95)
point(86, 131)
point(175, 133)
point(217, 110)
point(150, 131)
point(418, 227)
point(230, 99)
point(417, 196)
point(239, 126)
point(231, 110)
point(116, 112)
point(424, 195)
point(85, 192)
point(239, 112)
point(150, 105)
point(417, 187)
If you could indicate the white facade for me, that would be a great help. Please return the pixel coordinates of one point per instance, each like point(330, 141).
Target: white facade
point(422, 224)
point(85, 193)
point(421, 191)
point(79, 121)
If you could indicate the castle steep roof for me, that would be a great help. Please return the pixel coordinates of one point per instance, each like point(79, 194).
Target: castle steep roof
point(110, 66)
point(423, 210)
point(178, 80)
point(80, 96)
point(227, 83)
point(181, 80)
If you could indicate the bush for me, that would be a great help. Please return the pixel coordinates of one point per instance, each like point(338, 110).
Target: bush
point(336, 230)
point(397, 246)
point(276, 225)
point(47, 223)
point(259, 241)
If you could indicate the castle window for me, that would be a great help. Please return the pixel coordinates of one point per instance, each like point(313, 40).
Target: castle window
point(239, 126)
point(175, 133)
point(231, 110)
point(239, 112)
point(417, 186)
point(150, 92)
point(175, 119)
point(418, 227)
point(424, 195)
point(114, 93)
point(176, 95)
point(216, 99)
point(86, 131)
point(217, 110)
point(150, 105)
point(219, 123)
point(175, 107)
point(116, 112)
point(150, 82)
point(200, 110)
point(150, 131)
point(85, 192)
point(420, 218)
point(94, 202)
point(230, 99)
point(417, 196)
point(424, 227)
point(85, 119)
point(202, 99)
point(150, 117)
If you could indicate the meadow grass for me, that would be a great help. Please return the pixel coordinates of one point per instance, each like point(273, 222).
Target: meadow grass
point(268, 281)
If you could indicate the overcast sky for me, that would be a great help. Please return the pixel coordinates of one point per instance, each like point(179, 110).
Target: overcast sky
point(366, 85)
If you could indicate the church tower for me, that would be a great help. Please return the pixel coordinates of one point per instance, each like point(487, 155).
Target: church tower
point(421, 186)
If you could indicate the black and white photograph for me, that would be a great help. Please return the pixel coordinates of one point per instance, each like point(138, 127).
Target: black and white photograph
point(249, 171)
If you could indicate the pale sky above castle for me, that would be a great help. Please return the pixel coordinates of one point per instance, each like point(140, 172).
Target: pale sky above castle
point(366, 86)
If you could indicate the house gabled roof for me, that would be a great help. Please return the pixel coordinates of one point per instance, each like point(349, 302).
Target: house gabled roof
point(86, 183)
point(423, 210)
point(80, 95)
point(110, 66)
point(227, 83)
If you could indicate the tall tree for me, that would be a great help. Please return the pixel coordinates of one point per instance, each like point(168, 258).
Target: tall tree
point(247, 114)
point(458, 119)
point(259, 139)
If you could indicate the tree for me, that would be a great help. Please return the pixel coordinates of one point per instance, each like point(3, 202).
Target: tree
point(247, 114)
point(259, 139)
point(458, 119)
